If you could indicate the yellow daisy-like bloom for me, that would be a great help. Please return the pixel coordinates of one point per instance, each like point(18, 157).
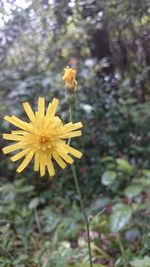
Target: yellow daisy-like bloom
point(43, 138)
point(70, 78)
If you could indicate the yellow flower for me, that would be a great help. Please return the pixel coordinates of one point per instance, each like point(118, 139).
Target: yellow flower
point(70, 78)
point(43, 138)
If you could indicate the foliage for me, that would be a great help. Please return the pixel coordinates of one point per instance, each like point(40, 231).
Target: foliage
point(108, 43)
point(141, 263)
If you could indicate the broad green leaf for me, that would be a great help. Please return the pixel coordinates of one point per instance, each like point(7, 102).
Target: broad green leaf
point(9, 187)
point(146, 173)
point(107, 159)
point(120, 216)
point(19, 182)
point(25, 189)
point(108, 177)
point(133, 190)
point(124, 165)
point(100, 202)
point(145, 262)
point(34, 203)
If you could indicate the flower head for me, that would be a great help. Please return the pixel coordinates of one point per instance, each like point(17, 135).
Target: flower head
point(43, 138)
point(70, 78)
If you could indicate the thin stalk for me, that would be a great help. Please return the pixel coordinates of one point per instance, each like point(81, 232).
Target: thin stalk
point(81, 198)
point(83, 211)
point(70, 118)
point(121, 247)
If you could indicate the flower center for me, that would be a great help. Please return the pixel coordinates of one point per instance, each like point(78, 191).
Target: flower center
point(44, 142)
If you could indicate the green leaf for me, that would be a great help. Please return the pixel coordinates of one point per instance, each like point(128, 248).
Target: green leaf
point(33, 203)
point(120, 216)
point(145, 262)
point(133, 190)
point(21, 259)
point(147, 242)
point(25, 189)
point(9, 187)
point(100, 203)
point(107, 159)
point(19, 182)
point(124, 165)
point(146, 173)
point(108, 177)
point(86, 265)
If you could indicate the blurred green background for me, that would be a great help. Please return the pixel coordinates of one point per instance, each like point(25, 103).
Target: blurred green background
point(108, 43)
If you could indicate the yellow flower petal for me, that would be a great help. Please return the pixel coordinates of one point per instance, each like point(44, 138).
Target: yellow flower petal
point(23, 125)
point(72, 134)
point(11, 148)
point(29, 111)
point(12, 137)
point(76, 126)
point(73, 151)
point(25, 162)
point(36, 161)
point(52, 108)
point(42, 169)
point(19, 123)
point(67, 126)
point(50, 167)
point(58, 159)
point(42, 163)
point(66, 157)
point(72, 126)
point(18, 132)
point(20, 154)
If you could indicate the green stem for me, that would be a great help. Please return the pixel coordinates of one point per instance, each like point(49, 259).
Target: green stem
point(81, 199)
point(83, 210)
point(121, 247)
point(70, 118)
